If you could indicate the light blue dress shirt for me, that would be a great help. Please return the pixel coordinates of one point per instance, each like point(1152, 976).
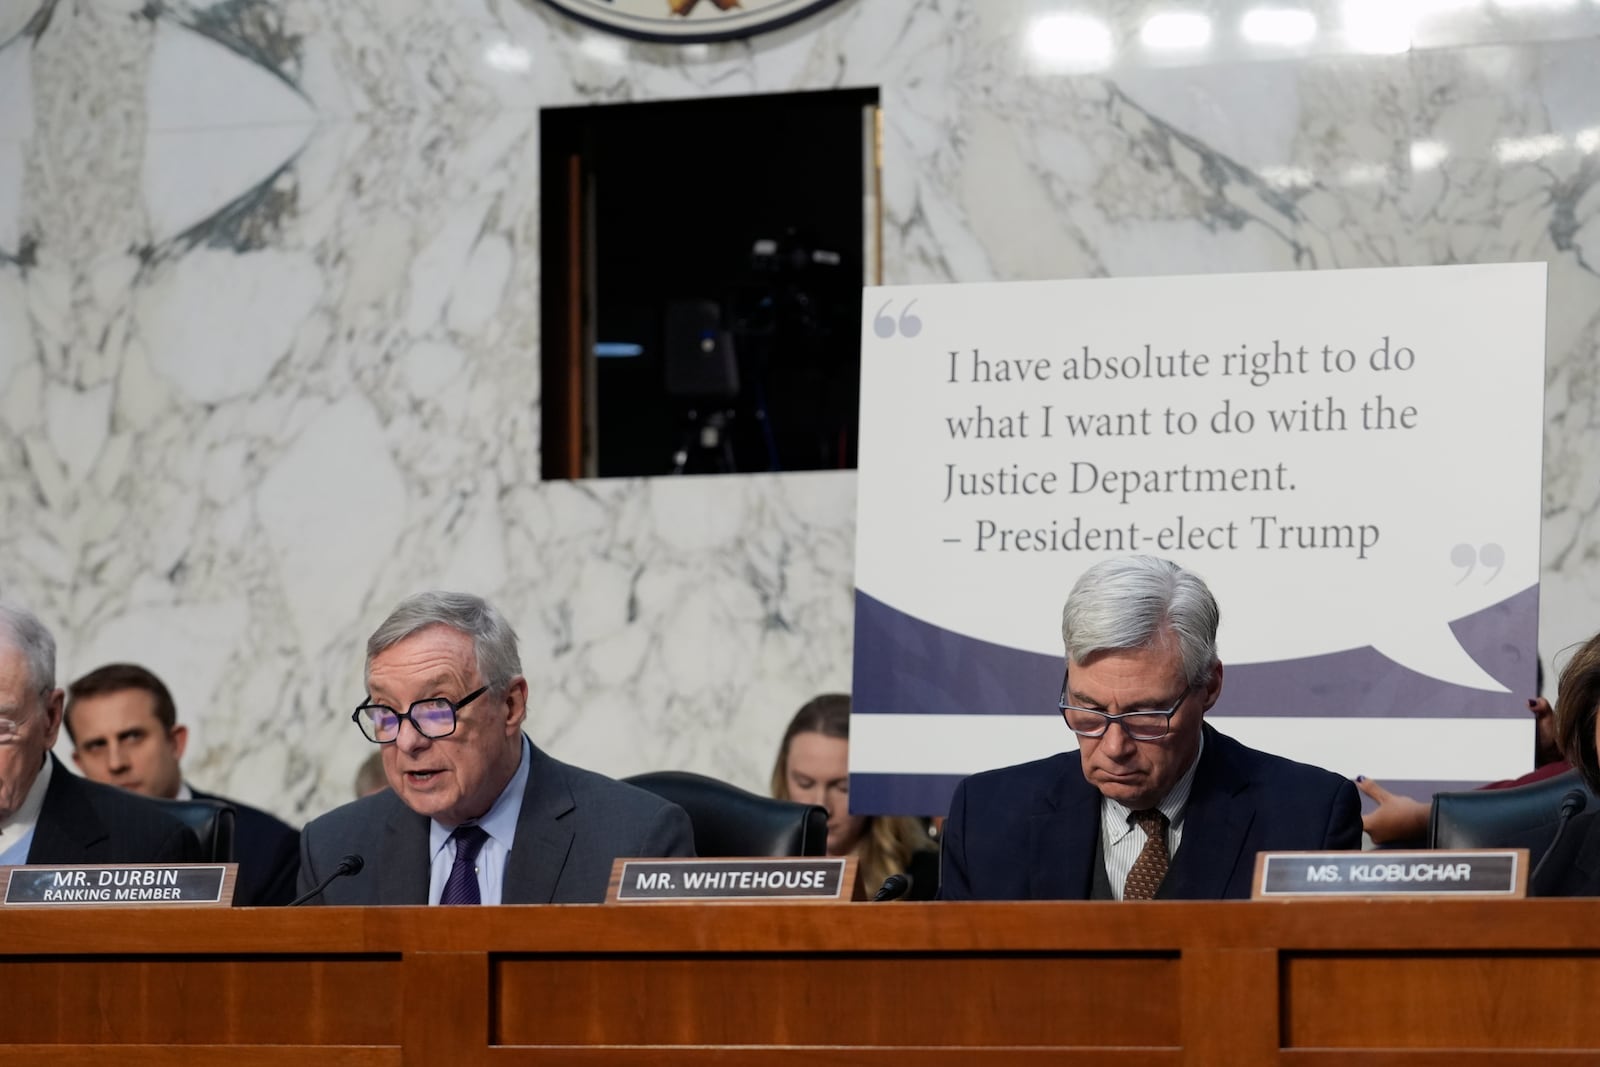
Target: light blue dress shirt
point(500, 823)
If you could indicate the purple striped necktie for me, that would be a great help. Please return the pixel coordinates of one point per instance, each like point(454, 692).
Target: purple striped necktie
point(462, 885)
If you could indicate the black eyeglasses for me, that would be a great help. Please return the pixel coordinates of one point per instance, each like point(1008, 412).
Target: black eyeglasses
point(433, 718)
point(1139, 725)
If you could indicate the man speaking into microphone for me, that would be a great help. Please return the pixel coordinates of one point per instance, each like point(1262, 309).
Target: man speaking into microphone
point(475, 813)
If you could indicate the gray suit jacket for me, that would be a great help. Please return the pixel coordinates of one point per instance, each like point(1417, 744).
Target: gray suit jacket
point(573, 824)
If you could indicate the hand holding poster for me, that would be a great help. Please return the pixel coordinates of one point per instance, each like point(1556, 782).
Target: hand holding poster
point(1350, 459)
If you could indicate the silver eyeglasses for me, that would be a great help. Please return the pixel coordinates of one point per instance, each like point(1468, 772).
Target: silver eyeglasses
point(433, 718)
point(1144, 725)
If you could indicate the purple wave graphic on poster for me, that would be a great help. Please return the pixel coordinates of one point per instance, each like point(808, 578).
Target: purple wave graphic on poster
point(904, 665)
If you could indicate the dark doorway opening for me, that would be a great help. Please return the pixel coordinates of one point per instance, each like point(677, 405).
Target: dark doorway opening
point(702, 271)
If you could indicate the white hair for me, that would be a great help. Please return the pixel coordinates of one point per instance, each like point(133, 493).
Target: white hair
point(1128, 602)
point(493, 641)
point(22, 629)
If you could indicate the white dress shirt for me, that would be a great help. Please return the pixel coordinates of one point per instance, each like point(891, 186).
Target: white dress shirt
point(1122, 840)
point(16, 833)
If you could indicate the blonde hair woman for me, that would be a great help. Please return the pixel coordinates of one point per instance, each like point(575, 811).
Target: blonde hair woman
point(813, 768)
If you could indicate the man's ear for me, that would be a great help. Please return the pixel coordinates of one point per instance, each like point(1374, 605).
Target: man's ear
point(53, 706)
point(179, 736)
point(516, 704)
point(1214, 686)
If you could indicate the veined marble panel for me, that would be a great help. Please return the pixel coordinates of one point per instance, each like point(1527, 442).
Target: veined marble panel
point(269, 323)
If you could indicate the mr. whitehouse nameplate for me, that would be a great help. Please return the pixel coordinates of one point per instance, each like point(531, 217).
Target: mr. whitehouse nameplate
point(813, 879)
point(1478, 872)
point(126, 883)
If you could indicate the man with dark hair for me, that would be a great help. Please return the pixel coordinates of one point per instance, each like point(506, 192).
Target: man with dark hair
point(475, 813)
point(125, 732)
point(1155, 803)
point(48, 814)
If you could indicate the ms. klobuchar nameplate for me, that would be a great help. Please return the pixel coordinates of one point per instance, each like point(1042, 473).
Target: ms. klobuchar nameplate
point(142, 883)
point(1434, 873)
point(786, 878)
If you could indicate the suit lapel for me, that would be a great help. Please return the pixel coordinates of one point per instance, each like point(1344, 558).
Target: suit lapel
point(404, 864)
point(544, 836)
point(1216, 822)
point(1063, 838)
point(68, 827)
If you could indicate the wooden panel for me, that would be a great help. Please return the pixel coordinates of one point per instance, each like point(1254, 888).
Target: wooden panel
point(446, 1008)
point(1414, 984)
point(833, 1000)
point(1241, 986)
point(1440, 1001)
point(831, 1056)
point(1430, 1058)
point(201, 1055)
point(200, 1000)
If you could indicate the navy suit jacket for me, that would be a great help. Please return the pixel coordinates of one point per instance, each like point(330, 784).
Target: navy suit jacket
point(267, 850)
point(85, 822)
point(1032, 832)
point(572, 825)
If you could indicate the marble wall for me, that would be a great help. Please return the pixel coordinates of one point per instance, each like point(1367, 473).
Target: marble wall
point(269, 318)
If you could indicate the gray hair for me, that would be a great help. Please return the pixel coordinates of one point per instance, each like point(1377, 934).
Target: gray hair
point(1125, 603)
point(22, 629)
point(493, 641)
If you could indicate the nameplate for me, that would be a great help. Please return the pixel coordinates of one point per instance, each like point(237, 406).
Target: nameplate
point(796, 879)
point(122, 884)
point(1480, 872)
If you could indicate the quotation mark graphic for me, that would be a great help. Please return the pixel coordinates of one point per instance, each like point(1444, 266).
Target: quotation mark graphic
point(885, 326)
point(1467, 558)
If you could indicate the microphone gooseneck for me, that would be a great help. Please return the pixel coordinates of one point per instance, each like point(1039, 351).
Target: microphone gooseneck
point(1573, 802)
point(351, 864)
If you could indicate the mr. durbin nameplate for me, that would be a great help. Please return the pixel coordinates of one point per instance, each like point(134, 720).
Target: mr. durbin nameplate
point(123, 884)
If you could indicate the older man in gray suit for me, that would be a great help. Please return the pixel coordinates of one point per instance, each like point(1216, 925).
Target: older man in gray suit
point(476, 813)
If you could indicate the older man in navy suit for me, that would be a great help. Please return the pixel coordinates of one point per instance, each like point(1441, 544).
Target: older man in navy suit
point(475, 812)
point(1155, 803)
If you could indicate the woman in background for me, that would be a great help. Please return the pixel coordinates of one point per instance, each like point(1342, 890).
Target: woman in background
point(813, 768)
point(1573, 869)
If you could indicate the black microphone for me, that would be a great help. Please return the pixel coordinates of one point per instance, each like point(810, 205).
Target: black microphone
point(351, 864)
point(894, 887)
point(1575, 801)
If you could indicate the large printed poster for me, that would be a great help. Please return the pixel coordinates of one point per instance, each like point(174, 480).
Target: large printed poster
point(1351, 460)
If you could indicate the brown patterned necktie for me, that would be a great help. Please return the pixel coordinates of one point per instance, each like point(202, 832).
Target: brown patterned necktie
point(1145, 876)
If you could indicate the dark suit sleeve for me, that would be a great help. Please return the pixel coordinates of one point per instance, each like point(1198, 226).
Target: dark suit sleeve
point(670, 834)
point(285, 866)
point(953, 883)
point(306, 880)
point(1344, 819)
